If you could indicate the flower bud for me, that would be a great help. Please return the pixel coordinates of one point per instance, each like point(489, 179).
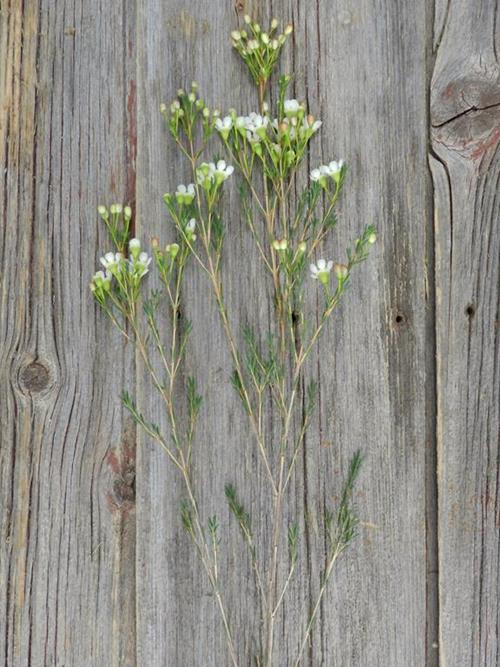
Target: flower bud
point(134, 248)
point(236, 35)
point(127, 212)
point(280, 245)
point(265, 38)
point(288, 30)
point(172, 249)
point(302, 247)
point(372, 238)
point(192, 97)
point(163, 108)
point(155, 242)
point(341, 271)
point(274, 24)
point(103, 212)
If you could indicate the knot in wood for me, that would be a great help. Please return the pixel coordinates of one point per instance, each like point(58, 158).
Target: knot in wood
point(34, 377)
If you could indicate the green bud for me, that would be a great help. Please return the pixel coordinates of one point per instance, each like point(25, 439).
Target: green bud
point(172, 249)
point(372, 238)
point(127, 212)
point(103, 212)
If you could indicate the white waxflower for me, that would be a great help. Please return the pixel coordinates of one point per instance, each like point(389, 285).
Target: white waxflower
point(134, 247)
point(257, 124)
point(223, 171)
point(138, 266)
point(321, 270)
point(315, 175)
point(292, 107)
point(111, 260)
point(189, 230)
point(100, 278)
point(252, 45)
point(334, 167)
point(205, 174)
point(100, 284)
point(241, 122)
point(224, 125)
point(311, 125)
point(185, 193)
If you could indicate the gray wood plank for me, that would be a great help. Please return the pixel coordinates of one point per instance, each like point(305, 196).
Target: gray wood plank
point(364, 71)
point(465, 115)
point(371, 95)
point(67, 527)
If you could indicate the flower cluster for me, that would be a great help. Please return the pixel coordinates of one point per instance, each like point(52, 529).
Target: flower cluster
point(126, 272)
point(259, 49)
point(284, 139)
point(210, 175)
point(185, 193)
point(117, 220)
point(332, 170)
point(186, 110)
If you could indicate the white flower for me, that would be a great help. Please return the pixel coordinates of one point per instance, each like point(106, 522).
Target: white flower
point(334, 167)
point(224, 125)
point(241, 122)
point(222, 171)
point(311, 125)
point(185, 194)
point(205, 173)
point(99, 278)
point(189, 230)
point(139, 265)
point(321, 270)
point(315, 175)
point(292, 107)
point(111, 260)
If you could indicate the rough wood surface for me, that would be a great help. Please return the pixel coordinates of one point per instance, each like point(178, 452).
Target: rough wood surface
point(94, 566)
point(67, 534)
point(465, 161)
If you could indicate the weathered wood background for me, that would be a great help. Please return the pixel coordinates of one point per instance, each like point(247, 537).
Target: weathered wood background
point(94, 566)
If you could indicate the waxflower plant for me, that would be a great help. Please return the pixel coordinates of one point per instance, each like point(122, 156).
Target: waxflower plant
point(264, 150)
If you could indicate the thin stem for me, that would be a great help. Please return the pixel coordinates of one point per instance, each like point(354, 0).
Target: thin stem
point(322, 590)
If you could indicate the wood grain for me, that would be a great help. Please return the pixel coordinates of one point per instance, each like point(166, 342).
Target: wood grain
point(95, 568)
point(67, 537)
point(465, 160)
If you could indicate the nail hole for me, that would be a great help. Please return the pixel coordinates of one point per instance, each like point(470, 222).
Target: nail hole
point(470, 311)
point(399, 319)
